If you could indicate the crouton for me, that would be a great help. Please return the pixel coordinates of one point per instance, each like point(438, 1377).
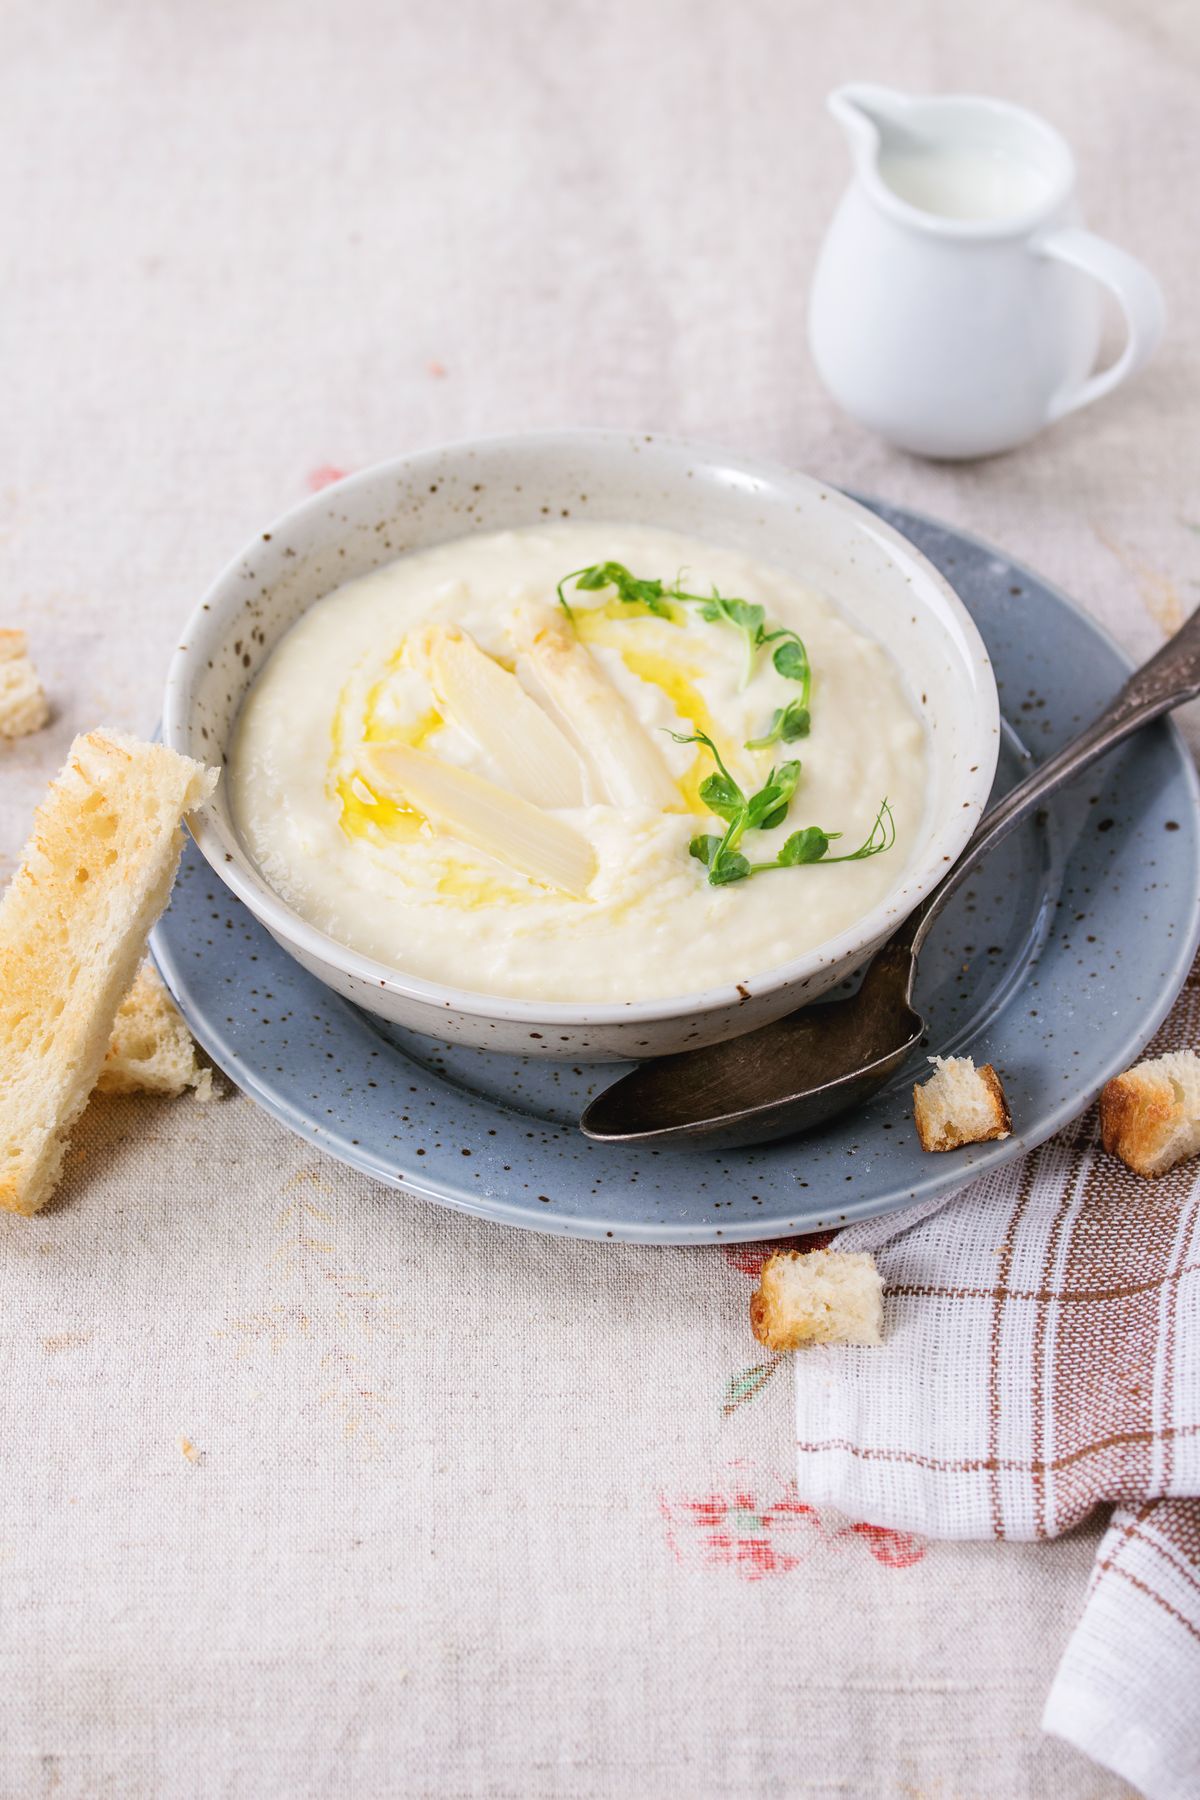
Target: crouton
point(22, 703)
point(1150, 1115)
point(817, 1297)
point(960, 1104)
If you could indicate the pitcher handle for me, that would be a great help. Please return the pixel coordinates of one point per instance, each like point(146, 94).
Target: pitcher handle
point(1138, 295)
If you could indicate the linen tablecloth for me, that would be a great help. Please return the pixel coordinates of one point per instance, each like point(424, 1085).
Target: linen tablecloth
point(465, 1511)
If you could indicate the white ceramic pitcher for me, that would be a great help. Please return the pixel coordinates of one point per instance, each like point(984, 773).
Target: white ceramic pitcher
point(956, 308)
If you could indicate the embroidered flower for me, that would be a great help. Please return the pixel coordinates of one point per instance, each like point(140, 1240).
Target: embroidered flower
point(755, 1532)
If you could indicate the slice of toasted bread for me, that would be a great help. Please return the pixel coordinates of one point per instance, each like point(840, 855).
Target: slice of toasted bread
point(817, 1297)
point(22, 703)
point(1150, 1115)
point(95, 875)
point(151, 1050)
point(960, 1104)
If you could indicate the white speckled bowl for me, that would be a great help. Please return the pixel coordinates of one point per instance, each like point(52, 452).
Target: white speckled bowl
point(875, 576)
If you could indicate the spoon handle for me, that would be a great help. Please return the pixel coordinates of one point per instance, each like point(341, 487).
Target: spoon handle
point(1170, 677)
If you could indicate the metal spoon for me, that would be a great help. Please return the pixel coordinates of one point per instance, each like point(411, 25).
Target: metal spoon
point(801, 1070)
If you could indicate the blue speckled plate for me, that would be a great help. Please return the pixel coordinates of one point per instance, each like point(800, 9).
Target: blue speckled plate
point(1056, 965)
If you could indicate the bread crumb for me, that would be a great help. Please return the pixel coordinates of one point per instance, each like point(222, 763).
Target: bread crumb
point(1150, 1115)
point(960, 1104)
point(23, 707)
point(66, 1340)
point(817, 1297)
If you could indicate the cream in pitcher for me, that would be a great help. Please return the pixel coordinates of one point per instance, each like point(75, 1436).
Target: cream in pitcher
point(956, 307)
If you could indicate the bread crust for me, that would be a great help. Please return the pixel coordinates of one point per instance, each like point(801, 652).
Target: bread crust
point(765, 1326)
point(95, 875)
point(952, 1136)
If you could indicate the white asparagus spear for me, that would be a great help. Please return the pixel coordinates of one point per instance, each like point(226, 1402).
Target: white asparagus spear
point(536, 759)
point(621, 752)
point(531, 681)
point(486, 816)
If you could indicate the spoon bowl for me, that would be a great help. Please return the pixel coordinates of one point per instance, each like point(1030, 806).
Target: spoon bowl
point(784, 1078)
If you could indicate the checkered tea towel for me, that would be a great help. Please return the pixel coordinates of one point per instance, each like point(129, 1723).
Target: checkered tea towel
point(1041, 1360)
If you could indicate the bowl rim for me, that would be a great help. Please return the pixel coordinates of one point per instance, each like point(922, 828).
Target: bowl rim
point(231, 862)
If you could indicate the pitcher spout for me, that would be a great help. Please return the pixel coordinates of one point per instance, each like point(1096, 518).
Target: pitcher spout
point(871, 116)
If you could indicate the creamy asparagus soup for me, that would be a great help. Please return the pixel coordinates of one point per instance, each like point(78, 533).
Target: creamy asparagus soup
point(578, 762)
